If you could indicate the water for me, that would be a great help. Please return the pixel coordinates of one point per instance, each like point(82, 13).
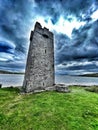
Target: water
point(11, 80)
point(17, 80)
point(76, 80)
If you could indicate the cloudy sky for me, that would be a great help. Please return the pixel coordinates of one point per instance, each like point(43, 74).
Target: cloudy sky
point(73, 22)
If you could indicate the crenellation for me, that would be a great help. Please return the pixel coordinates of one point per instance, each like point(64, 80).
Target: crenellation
point(31, 35)
point(38, 25)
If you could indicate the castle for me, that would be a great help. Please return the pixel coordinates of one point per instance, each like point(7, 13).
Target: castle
point(40, 62)
point(39, 73)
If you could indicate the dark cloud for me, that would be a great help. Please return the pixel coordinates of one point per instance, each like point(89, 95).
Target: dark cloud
point(15, 27)
point(6, 47)
point(12, 66)
point(81, 67)
point(82, 9)
point(83, 45)
point(15, 16)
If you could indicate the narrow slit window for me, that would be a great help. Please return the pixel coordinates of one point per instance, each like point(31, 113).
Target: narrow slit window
point(45, 50)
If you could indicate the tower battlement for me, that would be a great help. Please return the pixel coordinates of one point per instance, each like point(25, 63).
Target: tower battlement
point(43, 31)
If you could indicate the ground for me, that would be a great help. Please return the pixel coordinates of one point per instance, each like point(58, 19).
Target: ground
point(77, 110)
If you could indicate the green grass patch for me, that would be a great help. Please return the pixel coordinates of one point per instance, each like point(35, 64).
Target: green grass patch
point(77, 110)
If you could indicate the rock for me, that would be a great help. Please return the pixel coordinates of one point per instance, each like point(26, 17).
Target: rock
point(50, 88)
point(62, 88)
point(38, 91)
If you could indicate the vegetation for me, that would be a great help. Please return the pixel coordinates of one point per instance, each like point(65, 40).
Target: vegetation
point(9, 72)
point(92, 89)
point(77, 110)
point(90, 75)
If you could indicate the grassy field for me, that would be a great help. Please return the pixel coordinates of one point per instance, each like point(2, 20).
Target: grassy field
point(77, 110)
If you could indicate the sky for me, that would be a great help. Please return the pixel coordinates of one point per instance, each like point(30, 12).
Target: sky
point(73, 22)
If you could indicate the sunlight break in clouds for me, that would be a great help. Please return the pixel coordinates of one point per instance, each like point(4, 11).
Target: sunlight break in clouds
point(62, 26)
point(94, 16)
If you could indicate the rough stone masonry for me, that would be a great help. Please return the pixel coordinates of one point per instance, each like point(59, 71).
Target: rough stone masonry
point(39, 73)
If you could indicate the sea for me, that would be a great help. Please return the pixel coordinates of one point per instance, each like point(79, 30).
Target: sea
point(16, 80)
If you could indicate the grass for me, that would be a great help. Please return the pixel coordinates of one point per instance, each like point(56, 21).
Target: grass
point(77, 110)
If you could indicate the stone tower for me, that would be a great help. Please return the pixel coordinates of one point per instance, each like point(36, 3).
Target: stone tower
point(39, 72)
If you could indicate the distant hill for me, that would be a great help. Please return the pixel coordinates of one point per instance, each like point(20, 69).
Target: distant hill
point(91, 75)
point(9, 72)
